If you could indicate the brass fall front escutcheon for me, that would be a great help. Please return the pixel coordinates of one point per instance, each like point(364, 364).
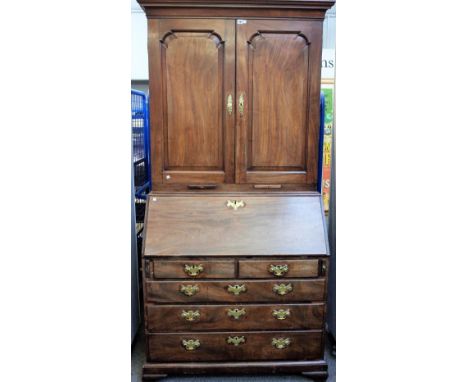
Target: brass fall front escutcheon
point(229, 104)
point(235, 204)
point(236, 313)
point(279, 270)
point(236, 289)
point(193, 269)
point(189, 290)
point(190, 315)
point(282, 289)
point(191, 344)
point(241, 104)
point(236, 341)
point(280, 343)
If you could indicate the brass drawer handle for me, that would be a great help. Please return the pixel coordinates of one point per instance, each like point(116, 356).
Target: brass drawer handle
point(235, 204)
point(236, 289)
point(279, 270)
point(193, 270)
point(189, 290)
point(281, 314)
point(191, 344)
point(236, 313)
point(190, 315)
point(236, 341)
point(282, 289)
point(229, 104)
point(281, 343)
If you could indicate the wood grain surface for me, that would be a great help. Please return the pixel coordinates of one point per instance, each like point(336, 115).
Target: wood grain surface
point(217, 269)
point(304, 290)
point(167, 318)
point(261, 268)
point(205, 226)
point(167, 347)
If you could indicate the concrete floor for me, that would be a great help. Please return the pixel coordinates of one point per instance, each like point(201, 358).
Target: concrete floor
point(138, 359)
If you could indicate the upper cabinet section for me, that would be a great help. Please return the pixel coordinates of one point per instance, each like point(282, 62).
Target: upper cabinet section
point(192, 72)
point(235, 91)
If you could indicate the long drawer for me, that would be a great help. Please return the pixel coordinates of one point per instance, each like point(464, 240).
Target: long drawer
point(163, 318)
point(239, 346)
point(294, 290)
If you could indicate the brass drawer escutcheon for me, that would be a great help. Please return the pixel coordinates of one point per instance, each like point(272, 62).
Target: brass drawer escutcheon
point(281, 314)
point(282, 289)
point(236, 341)
point(237, 289)
point(235, 204)
point(193, 269)
point(189, 290)
point(190, 315)
point(191, 344)
point(236, 313)
point(279, 270)
point(281, 343)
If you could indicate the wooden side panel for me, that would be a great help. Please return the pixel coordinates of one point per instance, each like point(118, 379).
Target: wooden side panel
point(166, 347)
point(303, 290)
point(193, 61)
point(210, 269)
point(295, 268)
point(277, 74)
point(164, 318)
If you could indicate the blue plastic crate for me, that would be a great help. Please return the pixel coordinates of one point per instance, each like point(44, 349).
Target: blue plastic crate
point(141, 144)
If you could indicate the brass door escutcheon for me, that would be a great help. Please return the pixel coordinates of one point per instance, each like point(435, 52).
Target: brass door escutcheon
point(280, 343)
point(279, 270)
point(189, 290)
point(281, 314)
point(236, 341)
point(236, 313)
point(236, 289)
point(229, 104)
point(193, 270)
point(235, 204)
point(190, 315)
point(282, 289)
point(241, 104)
point(191, 344)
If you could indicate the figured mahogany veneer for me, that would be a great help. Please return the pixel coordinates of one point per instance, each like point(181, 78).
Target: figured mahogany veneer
point(168, 318)
point(201, 269)
point(168, 347)
point(281, 268)
point(217, 291)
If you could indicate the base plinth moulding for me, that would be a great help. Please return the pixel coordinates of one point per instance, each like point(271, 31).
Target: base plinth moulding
point(315, 370)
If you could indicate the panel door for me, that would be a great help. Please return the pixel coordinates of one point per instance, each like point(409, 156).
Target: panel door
point(278, 88)
point(192, 73)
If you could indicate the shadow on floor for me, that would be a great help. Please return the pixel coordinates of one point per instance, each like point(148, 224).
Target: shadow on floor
point(138, 359)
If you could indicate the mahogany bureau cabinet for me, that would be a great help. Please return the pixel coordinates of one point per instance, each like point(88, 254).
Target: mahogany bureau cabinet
point(235, 252)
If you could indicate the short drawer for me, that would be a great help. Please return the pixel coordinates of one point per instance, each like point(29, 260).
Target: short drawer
point(176, 269)
point(239, 346)
point(163, 318)
point(278, 268)
point(294, 290)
